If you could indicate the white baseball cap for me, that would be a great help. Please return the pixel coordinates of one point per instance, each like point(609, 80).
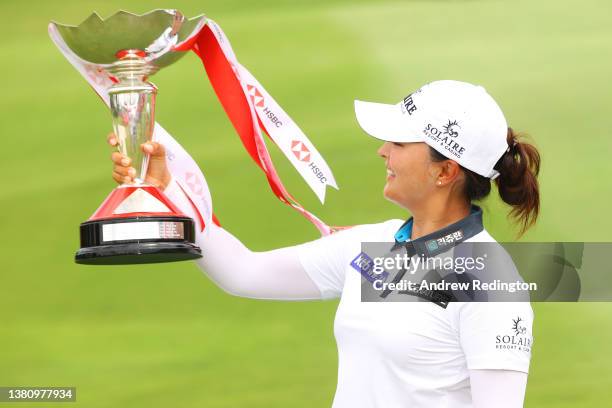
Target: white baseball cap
point(460, 120)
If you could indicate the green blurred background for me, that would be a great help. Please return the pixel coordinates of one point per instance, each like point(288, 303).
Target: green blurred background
point(164, 335)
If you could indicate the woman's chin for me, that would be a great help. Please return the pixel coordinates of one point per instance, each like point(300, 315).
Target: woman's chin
point(388, 193)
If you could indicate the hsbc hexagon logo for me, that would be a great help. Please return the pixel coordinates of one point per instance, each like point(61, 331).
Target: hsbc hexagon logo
point(194, 183)
point(256, 96)
point(300, 151)
point(269, 117)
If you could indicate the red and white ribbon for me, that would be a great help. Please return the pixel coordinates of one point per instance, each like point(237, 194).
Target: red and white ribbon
point(249, 107)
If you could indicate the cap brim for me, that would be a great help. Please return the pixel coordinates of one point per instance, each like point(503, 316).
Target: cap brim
point(385, 122)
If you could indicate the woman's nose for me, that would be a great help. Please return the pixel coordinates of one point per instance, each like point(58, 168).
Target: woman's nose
point(383, 150)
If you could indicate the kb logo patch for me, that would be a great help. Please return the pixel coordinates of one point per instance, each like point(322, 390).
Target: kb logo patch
point(365, 266)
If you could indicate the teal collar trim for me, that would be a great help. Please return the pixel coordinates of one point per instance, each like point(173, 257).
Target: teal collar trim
point(405, 232)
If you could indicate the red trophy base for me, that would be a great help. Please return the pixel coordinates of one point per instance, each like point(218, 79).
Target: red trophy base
point(137, 224)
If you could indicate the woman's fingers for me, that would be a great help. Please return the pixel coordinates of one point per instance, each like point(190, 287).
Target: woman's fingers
point(119, 159)
point(122, 164)
point(122, 172)
point(125, 171)
point(121, 179)
point(112, 139)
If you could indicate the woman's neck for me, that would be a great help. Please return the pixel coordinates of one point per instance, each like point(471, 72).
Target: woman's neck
point(435, 216)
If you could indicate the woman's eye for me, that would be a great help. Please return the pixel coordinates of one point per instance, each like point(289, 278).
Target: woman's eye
point(398, 144)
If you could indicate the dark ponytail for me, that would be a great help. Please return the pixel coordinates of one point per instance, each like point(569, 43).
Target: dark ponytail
point(517, 182)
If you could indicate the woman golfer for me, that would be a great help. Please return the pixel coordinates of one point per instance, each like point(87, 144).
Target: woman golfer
point(444, 144)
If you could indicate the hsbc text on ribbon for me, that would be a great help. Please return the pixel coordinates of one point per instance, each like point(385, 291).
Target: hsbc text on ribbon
point(318, 173)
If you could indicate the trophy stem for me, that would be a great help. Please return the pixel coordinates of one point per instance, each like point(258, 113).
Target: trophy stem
point(132, 100)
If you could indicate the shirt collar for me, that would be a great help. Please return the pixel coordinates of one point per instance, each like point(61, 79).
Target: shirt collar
point(443, 239)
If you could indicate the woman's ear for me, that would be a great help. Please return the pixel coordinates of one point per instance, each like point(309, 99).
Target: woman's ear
point(449, 172)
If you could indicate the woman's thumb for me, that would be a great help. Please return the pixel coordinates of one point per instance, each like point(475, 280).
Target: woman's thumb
point(154, 149)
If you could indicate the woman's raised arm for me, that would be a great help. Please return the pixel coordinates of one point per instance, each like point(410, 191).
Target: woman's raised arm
point(276, 274)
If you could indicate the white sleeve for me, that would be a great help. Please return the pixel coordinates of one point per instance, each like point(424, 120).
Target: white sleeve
point(276, 274)
point(326, 259)
point(496, 335)
point(498, 388)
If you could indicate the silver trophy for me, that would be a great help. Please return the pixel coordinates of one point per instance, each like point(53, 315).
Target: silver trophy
point(137, 223)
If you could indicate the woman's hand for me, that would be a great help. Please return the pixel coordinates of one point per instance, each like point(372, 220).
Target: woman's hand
point(157, 172)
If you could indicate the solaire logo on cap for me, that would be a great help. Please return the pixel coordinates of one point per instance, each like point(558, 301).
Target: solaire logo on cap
point(445, 135)
point(408, 105)
point(451, 128)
